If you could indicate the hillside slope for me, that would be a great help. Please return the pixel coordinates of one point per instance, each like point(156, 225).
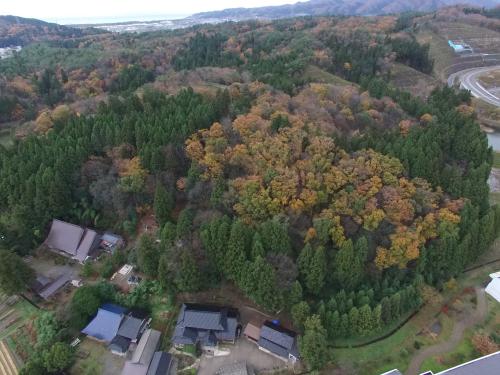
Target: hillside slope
point(339, 7)
point(19, 31)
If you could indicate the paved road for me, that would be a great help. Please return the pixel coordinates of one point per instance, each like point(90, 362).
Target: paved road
point(469, 80)
point(456, 336)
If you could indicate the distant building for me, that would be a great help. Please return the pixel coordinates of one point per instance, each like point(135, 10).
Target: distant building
point(278, 341)
point(205, 325)
point(460, 47)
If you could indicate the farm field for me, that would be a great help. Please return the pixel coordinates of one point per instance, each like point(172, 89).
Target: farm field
point(408, 79)
point(16, 316)
point(481, 39)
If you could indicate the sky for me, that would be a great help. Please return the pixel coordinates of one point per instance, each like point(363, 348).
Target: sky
point(63, 11)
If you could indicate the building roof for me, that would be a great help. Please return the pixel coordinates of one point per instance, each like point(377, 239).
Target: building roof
point(143, 354)
point(64, 236)
point(205, 324)
point(131, 327)
point(55, 286)
point(252, 331)
point(148, 344)
point(487, 365)
point(493, 289)
point(278, 340)
point(104, 326)
point(239, 368)
point(111, 307)
point(202, 317)
point(40, 283)
point(89, 241)
point(161, 364)
point(393, 372)
point(72, 239)
point(119, 344)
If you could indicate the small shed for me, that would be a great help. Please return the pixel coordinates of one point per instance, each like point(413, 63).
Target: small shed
point(252, 332)
point(493, 288)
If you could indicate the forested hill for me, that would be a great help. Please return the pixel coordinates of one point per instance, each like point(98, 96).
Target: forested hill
point(340, 7)
point(273, 157)
point(19, 31)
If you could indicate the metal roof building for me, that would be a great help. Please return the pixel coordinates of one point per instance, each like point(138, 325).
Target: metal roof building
point(105, 325)
point(278, 341)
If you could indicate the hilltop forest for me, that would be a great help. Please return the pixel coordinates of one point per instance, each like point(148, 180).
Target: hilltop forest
point(273, 155)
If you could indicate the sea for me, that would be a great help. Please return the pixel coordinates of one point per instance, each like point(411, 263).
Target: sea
point(116, 19)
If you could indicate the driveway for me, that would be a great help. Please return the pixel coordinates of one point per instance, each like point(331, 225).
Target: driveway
point(242, 351)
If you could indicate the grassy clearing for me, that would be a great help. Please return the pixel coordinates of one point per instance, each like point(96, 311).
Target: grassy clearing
point(95, 358)
point(491, 79)
point(495, 198)
point(25, 311)
point(6, 138)
point(396, 351)
point(496, 160)
point(315, 74)
point(465, 351)
point(413, 81)
point(488, 114)
point(439, 51)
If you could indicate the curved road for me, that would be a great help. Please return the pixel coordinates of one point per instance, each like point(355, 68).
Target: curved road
point(469, 80)
point(456, 336)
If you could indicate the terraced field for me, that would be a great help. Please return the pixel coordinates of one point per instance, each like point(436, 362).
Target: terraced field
point(411, 80)
point(481, 39)
point(8, 363)
point(15, 340)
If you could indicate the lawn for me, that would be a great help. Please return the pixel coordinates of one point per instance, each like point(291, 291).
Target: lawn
point(94, 358)
point(6, 138)
point(315, 74)
point(396, 351)
point(439, 51)
point(465, 351)
point(496, 160)
point(393, 352)
point(25, 311)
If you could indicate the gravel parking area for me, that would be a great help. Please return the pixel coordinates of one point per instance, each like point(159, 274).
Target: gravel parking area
point(242, 351)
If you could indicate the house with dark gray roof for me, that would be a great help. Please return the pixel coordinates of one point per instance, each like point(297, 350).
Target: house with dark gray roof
point(130, 331)
point(162, 364)
point(72, 241)
point(278, 341)
point(143, 354)
point(205, 325)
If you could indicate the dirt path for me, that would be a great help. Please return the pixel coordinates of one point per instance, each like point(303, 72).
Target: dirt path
point(456, 335)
